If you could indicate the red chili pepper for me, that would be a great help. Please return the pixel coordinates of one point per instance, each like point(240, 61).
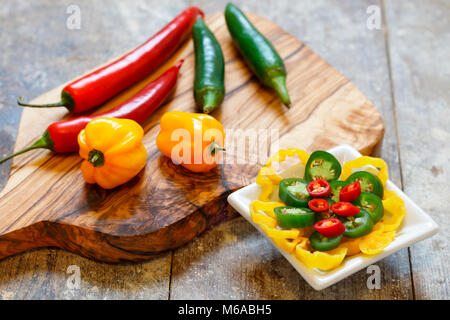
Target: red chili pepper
point(318, 205)
point(318, 188)
point(350, 192)
point(62, 136)
point(345, 209)
point(330, 227)
point(98, 86)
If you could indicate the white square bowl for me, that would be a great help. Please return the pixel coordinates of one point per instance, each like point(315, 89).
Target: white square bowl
point(416, 226)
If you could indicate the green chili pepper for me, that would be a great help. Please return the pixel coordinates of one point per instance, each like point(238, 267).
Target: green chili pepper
point(293, 192)
point(336, 187)
point(369, 182)
point(322, 165)
point(321, 243)
point(209, 89)
point(372, 203)
point(292, 217)
point(258, 52)
point(358, 225)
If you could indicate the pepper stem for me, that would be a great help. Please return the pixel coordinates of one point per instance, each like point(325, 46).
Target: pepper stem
point(279, 84)
point(96, 158)
point(66, 101)
point(44, 142)
point(49, 105)
point(214, 147)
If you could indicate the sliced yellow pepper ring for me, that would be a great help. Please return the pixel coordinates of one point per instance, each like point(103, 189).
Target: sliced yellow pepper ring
point(378, 227)
point(395, 207)
point(352, 246)
point(268, 176)
point(270, 173)
point(268, 216)
point(281, 155)
point(321, 260)
point(260, 218)
point(376, 241)
point(286, 244)
point(279, 233)
point(267, 187)
point(360, 162)
point(266, 207)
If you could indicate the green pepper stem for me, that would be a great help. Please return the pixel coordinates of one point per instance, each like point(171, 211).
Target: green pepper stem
point(66, 101)
point(44, 142)
point(49, 105)
point(214, 147)
point(96, 158)
point(279, 84)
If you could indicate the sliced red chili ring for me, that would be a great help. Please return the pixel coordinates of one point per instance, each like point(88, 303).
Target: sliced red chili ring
point(350, 192)
point(330, 227)
point(345, 209)
point(319, 188)
point(318, 205)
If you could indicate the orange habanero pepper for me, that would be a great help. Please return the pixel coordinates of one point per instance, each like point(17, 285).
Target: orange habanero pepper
point(193, 140)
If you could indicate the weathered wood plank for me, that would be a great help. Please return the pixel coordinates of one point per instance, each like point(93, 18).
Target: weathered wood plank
point(45, 274)
point(419, 34)
point(233, 261)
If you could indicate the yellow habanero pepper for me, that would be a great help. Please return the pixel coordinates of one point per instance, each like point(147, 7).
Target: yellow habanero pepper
point(193, 140)
point(112, 150)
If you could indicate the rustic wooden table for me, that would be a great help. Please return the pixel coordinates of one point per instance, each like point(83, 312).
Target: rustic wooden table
point(402, 67)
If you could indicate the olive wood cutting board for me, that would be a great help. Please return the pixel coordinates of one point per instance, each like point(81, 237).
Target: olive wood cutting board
point(46, 202)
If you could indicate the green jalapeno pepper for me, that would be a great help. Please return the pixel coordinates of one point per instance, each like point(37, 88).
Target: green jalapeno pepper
point(336, 187)
point(369, 182)
point(372, 203)
point(209, 89)
point(322, 165)
point(321, 243)
point(293, 192)
point(258, 52)
point(292, 217)
point(358, 225)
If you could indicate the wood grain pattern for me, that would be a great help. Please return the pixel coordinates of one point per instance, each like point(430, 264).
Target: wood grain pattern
point(420, 88)
point(48, 204)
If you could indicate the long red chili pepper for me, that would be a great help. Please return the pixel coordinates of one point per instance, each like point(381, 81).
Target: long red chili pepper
point(100, 85)
point(62, 136)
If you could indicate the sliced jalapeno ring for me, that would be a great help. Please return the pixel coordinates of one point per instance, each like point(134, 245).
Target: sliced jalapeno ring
point(372, 204)
point(292, 217)
point(357, 226)
point(369, 182)
point(321, 243)
point(322, 165)
point(336, 187)
point(293, 192)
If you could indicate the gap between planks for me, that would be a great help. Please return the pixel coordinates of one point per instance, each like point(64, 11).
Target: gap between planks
point(394, 111)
